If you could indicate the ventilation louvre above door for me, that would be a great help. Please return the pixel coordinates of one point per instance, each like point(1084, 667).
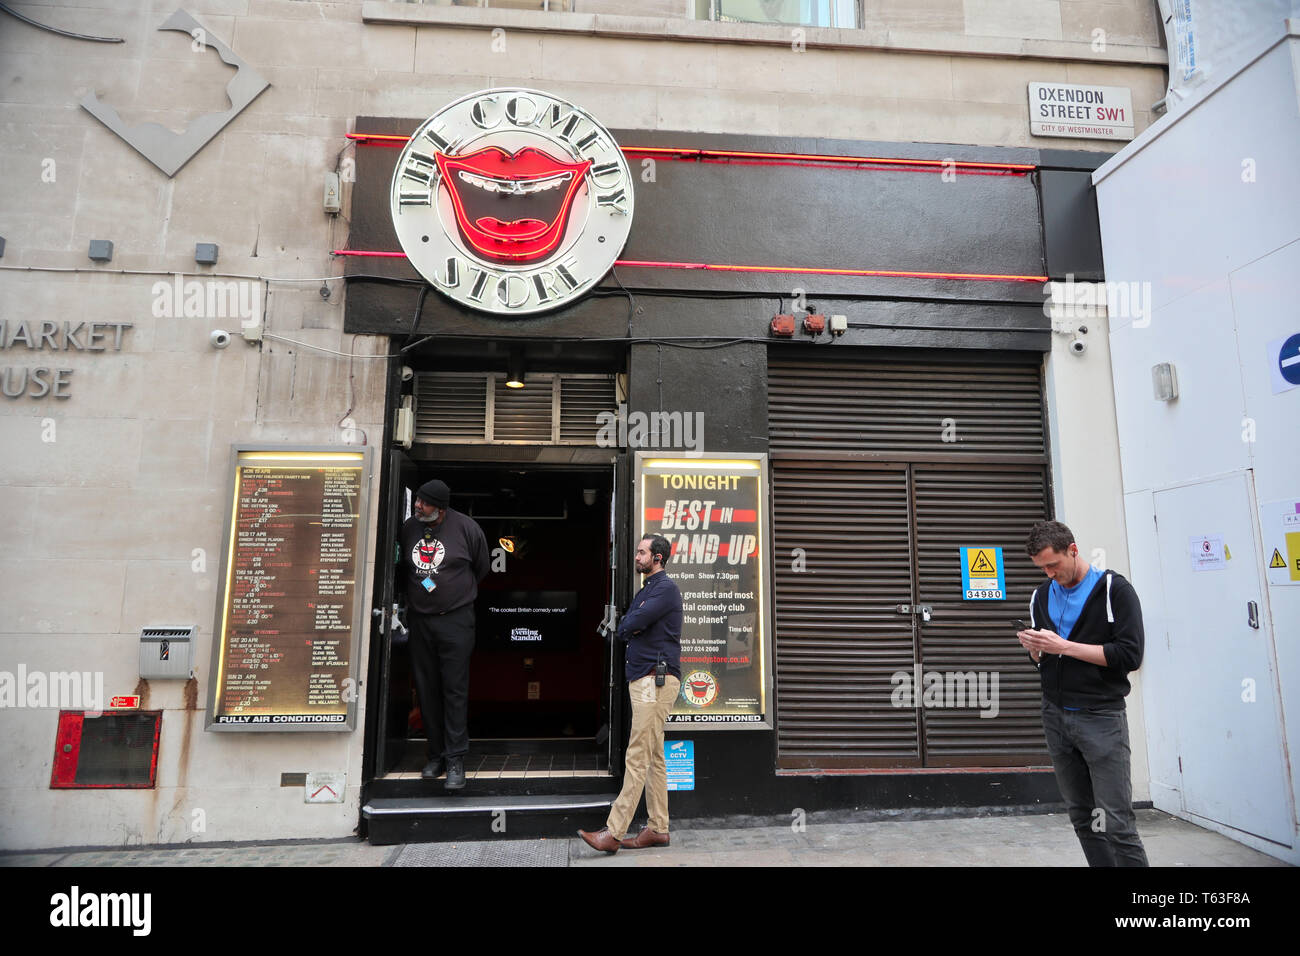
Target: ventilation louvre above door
point(478, 408)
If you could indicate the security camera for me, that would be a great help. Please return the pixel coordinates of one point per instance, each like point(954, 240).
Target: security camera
point(1078, 346)
point(219, 338)
point(408, 373)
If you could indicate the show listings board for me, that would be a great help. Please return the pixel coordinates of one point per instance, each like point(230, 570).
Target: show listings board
point(288, 614)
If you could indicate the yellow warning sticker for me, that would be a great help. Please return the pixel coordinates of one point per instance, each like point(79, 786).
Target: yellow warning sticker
point(1280, 521)
point(981, 563)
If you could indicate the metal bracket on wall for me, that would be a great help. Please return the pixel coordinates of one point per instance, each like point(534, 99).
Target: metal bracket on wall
point(170, 151)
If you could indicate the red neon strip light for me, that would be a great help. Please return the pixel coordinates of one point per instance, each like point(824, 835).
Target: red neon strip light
point(892, 169)
point(795, 270)
point(669, 152)
point(805, 270)
point(686, 154)
point(378, 138)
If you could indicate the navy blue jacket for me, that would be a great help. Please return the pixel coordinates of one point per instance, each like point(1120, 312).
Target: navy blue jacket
point(653, 626)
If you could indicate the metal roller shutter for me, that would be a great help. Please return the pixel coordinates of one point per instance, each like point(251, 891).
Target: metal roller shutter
point(966, 507)
point(876, 485)
point(904, 410)
point(842, 565)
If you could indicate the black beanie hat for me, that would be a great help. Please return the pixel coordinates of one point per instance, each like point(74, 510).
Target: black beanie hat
point(435, 492)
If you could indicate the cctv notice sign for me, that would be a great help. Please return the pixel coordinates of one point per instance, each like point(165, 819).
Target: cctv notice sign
point(288, 617)
point(1080, 112)
point(713, 512)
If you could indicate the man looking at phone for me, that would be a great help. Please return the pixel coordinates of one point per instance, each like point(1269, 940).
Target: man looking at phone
point(653, 629)
point(1085, 635)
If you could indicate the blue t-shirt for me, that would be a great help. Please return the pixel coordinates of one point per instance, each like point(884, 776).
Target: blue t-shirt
point(1064, 604)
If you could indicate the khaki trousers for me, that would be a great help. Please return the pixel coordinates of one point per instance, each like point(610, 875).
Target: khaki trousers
point(644, 767)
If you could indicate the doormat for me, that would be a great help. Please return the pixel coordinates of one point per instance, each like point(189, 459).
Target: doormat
point(498, 853)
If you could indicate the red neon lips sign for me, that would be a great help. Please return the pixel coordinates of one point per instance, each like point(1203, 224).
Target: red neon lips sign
point(511, 206)
point(512, 201)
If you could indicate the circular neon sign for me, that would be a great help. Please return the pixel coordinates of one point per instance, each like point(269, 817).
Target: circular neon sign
point(512, 201)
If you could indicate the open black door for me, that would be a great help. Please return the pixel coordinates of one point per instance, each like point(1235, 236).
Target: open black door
point(394, 673)
point(621, 524)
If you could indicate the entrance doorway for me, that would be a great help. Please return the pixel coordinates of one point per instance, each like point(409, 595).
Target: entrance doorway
point(539, 695)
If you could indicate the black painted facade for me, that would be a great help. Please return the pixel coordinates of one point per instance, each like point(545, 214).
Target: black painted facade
point(652, 323)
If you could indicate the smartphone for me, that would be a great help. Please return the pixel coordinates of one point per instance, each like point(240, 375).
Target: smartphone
point(1020, 625)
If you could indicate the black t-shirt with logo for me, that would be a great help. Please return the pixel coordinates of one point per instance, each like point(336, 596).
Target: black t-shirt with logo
point(453, 556)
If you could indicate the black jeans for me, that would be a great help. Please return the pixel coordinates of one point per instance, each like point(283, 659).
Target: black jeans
point(1090, 752)
point(441, 645)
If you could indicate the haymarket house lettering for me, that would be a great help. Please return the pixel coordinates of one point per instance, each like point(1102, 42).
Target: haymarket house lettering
point(44, 381)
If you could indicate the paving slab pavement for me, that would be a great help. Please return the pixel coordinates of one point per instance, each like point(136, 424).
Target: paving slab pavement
point(1001, 841)
point(987, 841)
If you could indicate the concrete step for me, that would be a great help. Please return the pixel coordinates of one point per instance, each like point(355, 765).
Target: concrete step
point(391, 820)
point(414, 786)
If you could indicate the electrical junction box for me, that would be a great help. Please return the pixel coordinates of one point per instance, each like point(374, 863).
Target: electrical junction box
point(404, 425)
point(333, 198)
point(167, 653)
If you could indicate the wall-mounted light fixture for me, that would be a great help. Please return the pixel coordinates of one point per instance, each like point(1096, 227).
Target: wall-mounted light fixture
point(1164, 381)
point(515, 369)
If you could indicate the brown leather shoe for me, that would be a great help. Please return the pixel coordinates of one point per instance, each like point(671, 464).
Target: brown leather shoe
point(601, 840)
point(645, 838)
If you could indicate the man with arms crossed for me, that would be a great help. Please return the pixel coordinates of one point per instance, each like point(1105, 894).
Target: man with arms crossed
point(653, 629)
point(1085, 635)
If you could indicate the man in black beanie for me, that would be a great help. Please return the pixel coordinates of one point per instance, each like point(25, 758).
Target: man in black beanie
point(444, 556)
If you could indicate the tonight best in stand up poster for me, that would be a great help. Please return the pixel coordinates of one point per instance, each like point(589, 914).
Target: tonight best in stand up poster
point(712, 510)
